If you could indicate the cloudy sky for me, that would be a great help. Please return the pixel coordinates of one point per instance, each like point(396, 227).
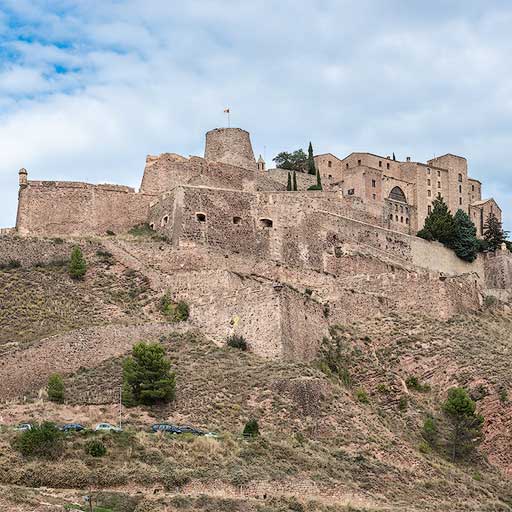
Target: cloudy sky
point(89, 87)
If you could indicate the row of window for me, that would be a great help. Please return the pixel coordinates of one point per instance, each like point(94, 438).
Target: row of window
point(201, 217)
point(399, 219)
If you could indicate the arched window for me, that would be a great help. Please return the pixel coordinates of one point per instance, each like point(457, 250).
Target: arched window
point(397, 194)
point(237, 220)
point(201, 217)
point(165, 220)
point(266, 223)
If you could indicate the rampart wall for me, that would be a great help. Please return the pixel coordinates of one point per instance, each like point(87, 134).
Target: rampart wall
point(167, 171)
point(50, 208)
point(32, 251)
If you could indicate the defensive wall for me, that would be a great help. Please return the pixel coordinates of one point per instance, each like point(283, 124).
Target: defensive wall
point(307, 229)
point(52, 208)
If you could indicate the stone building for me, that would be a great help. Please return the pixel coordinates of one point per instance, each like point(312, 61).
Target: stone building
point(227, 198)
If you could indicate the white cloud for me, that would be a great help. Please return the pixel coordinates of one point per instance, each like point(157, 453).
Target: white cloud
point(89, 88)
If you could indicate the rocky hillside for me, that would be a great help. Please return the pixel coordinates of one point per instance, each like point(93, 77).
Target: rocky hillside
point(340, 433)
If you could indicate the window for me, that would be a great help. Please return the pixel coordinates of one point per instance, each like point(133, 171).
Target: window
point(428, 170)
point(374, 196)
point(387, 165)
point(330, 175)
point(429, 209)
point(390, 216)
point(407, 220)
point(165, 220)
point(396, 218)
point(201, 217)
point(439, 195)
point(266, 223)
point(152, 226)
point(396, 207)
point(429, 182)
point(380, 163)
point(438, 184)
point(460, 200)
point(351, 191)
point(429, 193)
point(402, 220)
point(359, 162)
point(374, 183)
point(397, 194)
point(438, 174)
point(460, 178)
point(472, 188)
point(346, 165)
point(237, 220)
point(329, 163)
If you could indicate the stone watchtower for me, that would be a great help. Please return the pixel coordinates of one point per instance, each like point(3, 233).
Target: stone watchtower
point(230, 146)
point(261, 164)
point(23, 177)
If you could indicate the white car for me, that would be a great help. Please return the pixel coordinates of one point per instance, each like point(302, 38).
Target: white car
point(107, 427)
point(23, 427)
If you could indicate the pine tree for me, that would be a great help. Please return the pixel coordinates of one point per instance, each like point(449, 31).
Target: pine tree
point(77, 265)
point(493, 232)
point(147, 376)
point(294, 182)
point(311, 160)
point(251, 429)
point(439, 225)
point(466, 425)
point(318, 180)
point(55, 388)
point(465, 243)
point(289, 183)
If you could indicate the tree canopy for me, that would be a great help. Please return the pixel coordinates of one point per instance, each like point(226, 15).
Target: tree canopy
point(147, 376)
point(77, 265)
point(494, 235)
point(439, 224)
point(465, 243)
point(296, 161)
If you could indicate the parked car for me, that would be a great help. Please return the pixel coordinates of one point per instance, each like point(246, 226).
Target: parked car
point(165, 427)
point(23, 427)
point(192, 430)
point(107, 427)
point(72, 427)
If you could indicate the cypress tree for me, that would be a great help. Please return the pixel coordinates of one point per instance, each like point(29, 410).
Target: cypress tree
point(465, 243)
point(294, 181)
point(318, 180)
point(394, 156)
point(289, 184)
point(439, 225)
point(77, 266)
point(311, 161)
point(493, 232)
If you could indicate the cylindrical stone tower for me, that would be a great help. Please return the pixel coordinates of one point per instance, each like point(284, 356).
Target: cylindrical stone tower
point(230, 146)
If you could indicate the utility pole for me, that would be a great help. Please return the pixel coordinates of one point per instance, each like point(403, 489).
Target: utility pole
point(120, 406)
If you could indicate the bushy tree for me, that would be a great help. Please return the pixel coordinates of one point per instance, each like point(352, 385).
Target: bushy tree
point(493, 232)
point(55, 388)
point(95, 448)
point(430, 431)
point(147, 376)
point(466, 424)
point(294, 182)
point(43, 440)
point(311, 160)
point(295, 161)
point(174, 311)
point(251, 429)
point(439, 224)
point(77, 265)
point(289, 183)
point(465, 243)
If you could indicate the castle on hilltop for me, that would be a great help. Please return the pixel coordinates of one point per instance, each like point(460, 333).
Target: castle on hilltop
point(276, 266)
point(228, 197)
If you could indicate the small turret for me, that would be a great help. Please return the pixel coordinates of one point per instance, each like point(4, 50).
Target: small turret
point(23, 177)
point(261, 164)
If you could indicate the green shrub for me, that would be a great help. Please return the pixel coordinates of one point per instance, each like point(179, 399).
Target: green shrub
point(412, 382)
point(251, 429)
point(147, 376)
point(43, 440)
point(362, 396)
point(403, 403)
point(490, 301)
point(95, 448)
point(383, 388)
point(55, 388)
point(77, 265)
point(430, 431)
point(174, 311)
point(141, 230)
point(503, 394)
point(237, 341)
